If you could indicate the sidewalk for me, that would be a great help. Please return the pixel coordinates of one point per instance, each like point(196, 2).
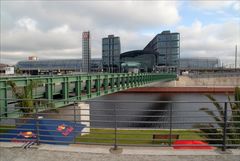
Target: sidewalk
point(44, 152)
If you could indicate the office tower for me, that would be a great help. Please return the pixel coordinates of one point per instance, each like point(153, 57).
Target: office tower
point(86, 52)
point(111, 49)
point(167, 45)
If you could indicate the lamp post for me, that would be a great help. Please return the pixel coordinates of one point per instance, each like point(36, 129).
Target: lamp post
point(235, 57)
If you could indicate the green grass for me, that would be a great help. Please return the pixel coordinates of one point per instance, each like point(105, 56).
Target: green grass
point(134, 136)
point(6, 128)
point(106, 136)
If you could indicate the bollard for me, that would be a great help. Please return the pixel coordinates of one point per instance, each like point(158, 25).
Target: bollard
point(224, 127)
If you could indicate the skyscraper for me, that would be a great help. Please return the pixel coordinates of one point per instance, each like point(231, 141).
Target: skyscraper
point(86, 52)
point(167, 44)
point(111, 49)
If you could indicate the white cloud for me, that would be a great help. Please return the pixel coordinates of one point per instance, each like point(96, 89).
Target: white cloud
point(62, 42)
point(213, 4)
point(89, 14)
point(33, 39)
point(46, 28)
point(62, 29)
point(27, 23)
point(213, 40)
point(53, 30)
point(236, 6)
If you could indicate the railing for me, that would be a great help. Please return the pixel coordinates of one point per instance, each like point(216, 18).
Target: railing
point(177, 124)
point(76, 87)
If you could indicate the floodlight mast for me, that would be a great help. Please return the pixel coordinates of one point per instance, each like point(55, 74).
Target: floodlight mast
point(236, 57)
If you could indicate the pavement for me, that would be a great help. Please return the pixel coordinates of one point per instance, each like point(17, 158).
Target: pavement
point(45, 152)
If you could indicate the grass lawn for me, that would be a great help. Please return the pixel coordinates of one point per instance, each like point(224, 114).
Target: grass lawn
point(134, 136)
point(128, 136)
point(5, 128)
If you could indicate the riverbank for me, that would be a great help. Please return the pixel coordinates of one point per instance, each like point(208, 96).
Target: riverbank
point(185, 81)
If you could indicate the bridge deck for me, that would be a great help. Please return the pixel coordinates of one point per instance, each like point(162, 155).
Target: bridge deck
point(64, 90)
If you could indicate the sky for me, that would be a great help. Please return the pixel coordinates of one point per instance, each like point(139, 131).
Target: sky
point(53, 29)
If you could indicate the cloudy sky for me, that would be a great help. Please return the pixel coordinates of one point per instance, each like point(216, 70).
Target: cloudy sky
point(52, 29)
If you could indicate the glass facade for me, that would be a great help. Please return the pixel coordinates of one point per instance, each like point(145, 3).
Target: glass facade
point(111, 49)
point(167, 45)
point(86, 52)
point(199, 63)
point(146, 59)
point(58, 65)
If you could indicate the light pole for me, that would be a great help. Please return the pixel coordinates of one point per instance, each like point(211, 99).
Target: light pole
point(236, 57)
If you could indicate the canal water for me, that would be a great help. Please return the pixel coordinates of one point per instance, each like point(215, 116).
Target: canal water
point(153, 115)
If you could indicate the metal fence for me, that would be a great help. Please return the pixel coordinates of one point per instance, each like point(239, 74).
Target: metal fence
point(177, 124)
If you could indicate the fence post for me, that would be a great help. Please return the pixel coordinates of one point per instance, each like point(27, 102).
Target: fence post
point(75, 121)
point(115, 149)
point(170, 122)
point(115, 128)
point(37, 125)
point(224, 127)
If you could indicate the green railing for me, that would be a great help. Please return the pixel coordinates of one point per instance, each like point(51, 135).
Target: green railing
point(76, 87)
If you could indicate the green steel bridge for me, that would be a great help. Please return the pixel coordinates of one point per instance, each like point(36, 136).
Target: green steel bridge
point(64, 90)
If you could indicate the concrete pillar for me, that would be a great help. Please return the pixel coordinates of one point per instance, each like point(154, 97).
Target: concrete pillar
point(84, 116)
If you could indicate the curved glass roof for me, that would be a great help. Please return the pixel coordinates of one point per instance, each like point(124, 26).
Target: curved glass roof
point(58, 64)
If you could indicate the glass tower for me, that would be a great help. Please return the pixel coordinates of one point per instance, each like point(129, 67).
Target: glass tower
point(86, 52)
point(111, 49)
point(167, 45)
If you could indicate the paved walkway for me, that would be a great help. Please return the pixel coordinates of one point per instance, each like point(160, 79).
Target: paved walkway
point(13, 152)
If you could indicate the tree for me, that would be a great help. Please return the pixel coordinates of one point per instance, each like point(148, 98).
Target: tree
point(24, 95)
point(233, 127)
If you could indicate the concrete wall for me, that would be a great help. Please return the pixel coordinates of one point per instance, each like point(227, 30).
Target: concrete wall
point(185, 81)
point(84, 115)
